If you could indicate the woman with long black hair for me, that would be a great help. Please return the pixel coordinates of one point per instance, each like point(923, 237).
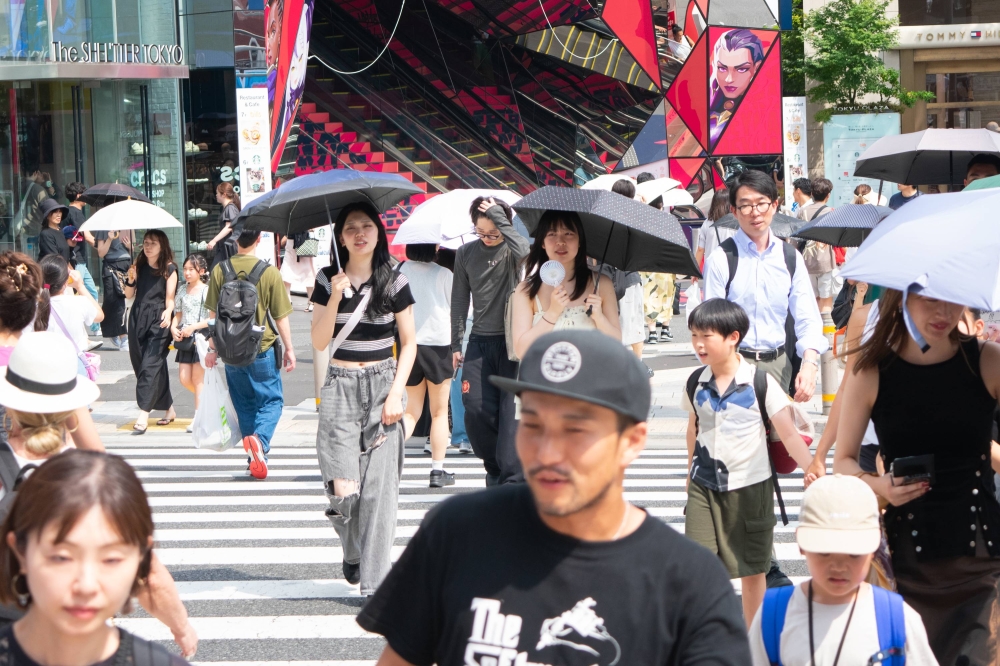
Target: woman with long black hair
point(361, 428)
point(152, 281)
point(937, 402)
point(540, 308)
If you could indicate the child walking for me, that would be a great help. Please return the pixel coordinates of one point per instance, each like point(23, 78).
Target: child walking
point(836, 617)
point(190, 317)
point(730, 509)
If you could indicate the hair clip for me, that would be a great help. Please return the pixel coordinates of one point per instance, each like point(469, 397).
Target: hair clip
point(22, 269)
point(46, 285)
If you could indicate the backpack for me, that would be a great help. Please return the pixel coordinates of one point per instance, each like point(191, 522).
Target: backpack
point(11, 475)
point(890, 622)
point(237, 335)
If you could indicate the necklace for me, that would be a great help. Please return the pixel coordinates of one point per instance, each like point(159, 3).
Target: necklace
point(812, 649)
point(621, 527)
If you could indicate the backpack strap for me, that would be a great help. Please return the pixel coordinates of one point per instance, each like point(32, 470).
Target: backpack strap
point(790, 259)
point(9, 469)
point(692, 388)
point(760, 390)
point(772, 620)
point(733, 258)
point(890, 622)
point(143, 652)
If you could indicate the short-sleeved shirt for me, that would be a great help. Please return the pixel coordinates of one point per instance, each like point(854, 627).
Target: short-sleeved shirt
point(191, 305)
point(271, 294)
point(485, 581)
point(373, 337)
point(77, 218)
point(730, 449)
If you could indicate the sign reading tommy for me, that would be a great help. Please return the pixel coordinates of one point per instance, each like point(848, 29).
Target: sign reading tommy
point(116, 52)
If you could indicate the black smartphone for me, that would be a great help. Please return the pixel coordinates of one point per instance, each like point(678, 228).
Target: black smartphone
point(913, 469)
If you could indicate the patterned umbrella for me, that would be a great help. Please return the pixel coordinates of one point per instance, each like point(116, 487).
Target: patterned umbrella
point(103, 194)
point(846, 226)
point(622, 232)
point(782, 226)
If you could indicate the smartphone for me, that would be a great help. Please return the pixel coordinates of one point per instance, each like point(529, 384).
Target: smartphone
point(913, 469)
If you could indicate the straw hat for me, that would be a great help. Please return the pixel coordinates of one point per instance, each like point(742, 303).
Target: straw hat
point(41, 376)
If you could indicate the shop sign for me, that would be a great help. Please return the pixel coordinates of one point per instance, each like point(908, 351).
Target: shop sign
point(945, 36)
point(255, 157)
point(116, 52)
point(793, 112)
point(845, 139)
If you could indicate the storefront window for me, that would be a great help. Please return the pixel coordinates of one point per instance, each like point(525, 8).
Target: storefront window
point(947, 12)
point(964, 100)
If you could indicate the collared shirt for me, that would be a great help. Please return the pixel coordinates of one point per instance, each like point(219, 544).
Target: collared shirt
point(764, 289)
point(730, 450)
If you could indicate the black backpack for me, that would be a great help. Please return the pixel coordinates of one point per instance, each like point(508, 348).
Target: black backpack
point(11, 475)
point(237, 334)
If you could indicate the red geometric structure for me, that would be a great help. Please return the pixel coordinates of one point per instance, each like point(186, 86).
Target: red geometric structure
point(632, 23)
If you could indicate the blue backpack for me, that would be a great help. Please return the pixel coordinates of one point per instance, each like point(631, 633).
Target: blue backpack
point(889, 621)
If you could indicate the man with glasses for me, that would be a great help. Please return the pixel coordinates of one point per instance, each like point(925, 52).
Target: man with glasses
point(487, 270)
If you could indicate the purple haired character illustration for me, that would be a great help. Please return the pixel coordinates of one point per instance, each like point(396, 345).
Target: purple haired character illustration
point(737, 57)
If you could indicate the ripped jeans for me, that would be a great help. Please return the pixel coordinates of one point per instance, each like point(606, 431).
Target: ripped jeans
point(354, 446)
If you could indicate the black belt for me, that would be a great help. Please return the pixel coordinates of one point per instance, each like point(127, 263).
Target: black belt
point(765, 355)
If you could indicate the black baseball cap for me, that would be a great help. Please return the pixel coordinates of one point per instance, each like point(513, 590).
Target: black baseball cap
point(587, 366)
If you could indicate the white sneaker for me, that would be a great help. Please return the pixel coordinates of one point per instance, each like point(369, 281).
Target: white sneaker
point(427, 446)
point(124, 346)
point(465, 447)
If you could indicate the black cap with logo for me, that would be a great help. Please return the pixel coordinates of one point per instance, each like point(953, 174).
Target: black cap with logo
point(587, 366)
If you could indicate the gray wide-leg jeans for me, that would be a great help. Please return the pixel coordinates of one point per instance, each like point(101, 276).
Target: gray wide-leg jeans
point(353, 444)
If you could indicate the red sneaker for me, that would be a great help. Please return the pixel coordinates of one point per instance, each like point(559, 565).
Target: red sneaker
point(258, 467)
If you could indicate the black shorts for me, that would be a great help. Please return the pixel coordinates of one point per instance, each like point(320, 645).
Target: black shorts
point(433, 363)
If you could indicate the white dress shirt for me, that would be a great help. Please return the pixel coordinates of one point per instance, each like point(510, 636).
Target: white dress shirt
point(764, 289)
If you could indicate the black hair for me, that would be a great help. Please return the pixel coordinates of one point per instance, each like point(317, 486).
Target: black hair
point(199, 264)
point(55, 274)
point(717, 315)
point(976, 313)
point(446, 258)
point(803, 185)
point(248, 237)
point(380, 302)
point(624, 187)
point(624, 422)
point(537, 256)
point(424, 252)
point(74, 190)
point(821, 189)
point(475, 214)
point(984, 158)
point(644, 177)
point(758, 181)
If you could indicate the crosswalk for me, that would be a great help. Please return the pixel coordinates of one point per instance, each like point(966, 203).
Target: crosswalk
point(258, 564)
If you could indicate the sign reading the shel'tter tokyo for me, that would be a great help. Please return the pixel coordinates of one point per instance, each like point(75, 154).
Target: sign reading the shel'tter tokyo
point(115, 52)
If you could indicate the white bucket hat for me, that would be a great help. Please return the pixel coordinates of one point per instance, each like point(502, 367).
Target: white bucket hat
point(41, 376)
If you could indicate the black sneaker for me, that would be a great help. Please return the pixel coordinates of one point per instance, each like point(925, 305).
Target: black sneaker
point(649, 370)
point(441, 478)
point(776, 577)
point(652, 339)
point(665, 334)
point(352, 572)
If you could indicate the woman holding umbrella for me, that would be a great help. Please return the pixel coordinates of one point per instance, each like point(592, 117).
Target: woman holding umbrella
point(540, 307)
point(942, 519)
point(359, 308)
point(152, 281)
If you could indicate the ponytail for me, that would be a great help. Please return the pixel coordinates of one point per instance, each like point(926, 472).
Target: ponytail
point(226, 190)
point(43, 310)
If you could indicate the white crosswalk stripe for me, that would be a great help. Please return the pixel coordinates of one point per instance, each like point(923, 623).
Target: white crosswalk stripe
point(258, 564)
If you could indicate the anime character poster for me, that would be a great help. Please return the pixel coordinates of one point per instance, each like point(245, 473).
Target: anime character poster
point(736, 56)
point(287, 24)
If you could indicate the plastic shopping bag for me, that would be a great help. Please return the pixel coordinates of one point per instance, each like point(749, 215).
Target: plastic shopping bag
point(215, 424)
point(693, 293)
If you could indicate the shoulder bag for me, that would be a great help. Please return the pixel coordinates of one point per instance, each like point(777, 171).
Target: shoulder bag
point(91, 361)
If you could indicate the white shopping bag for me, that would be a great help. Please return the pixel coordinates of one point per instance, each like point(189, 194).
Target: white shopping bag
point(693, 293)
point(215, 424)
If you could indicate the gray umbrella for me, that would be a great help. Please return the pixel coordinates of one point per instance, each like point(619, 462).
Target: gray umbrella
point(930, 157)
point(621, 232)
point(846, 226)
point(782, 226)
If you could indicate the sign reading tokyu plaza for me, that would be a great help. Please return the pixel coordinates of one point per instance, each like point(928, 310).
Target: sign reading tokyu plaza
point(114, 52)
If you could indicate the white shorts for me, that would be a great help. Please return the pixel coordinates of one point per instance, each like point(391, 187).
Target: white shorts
point(822, 285)
point(631, 316)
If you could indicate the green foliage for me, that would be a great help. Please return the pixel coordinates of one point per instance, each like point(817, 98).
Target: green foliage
point(848, 38)
point(793, 55)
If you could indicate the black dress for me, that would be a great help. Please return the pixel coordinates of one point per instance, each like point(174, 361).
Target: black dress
point(945, 545)
point(148, 343)
point(227, 246)
point(118, 258)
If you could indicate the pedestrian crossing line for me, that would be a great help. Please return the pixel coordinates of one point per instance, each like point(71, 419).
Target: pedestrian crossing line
point(235, 590)
point(407, 472)
point(258, 555)
point(301, 627)
point(246, 484)
point(262, 533)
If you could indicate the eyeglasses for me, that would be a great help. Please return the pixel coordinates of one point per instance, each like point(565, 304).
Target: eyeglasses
point(747, 209)
point(491, 236)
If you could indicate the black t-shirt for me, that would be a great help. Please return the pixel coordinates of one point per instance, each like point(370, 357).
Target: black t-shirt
point(485, 580)
point(129, 647)
point(52, 241)
point(76, 218)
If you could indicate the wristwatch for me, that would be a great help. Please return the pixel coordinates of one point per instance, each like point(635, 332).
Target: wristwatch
point(811, 360)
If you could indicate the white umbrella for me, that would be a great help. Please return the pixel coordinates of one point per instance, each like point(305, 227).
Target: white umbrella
point(130, 214)
point(444, 219)
point(652, 189)
point(606, 181)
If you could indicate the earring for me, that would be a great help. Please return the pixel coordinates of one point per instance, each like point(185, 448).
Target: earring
point(23, 598)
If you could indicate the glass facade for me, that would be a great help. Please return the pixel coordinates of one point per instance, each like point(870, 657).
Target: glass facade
point(964, 100)
point(947, 12)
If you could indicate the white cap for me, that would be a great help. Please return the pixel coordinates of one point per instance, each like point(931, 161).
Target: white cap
point(41, 376)
point(839, 514)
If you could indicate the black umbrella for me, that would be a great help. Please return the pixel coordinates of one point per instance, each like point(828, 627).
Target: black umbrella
point(105, 194)
point(312, 201)
point(621, 232)
point(845, 226)
point(931, 157)
point(782, 226)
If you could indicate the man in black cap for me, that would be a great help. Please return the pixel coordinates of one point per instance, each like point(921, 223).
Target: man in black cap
point(562, 570)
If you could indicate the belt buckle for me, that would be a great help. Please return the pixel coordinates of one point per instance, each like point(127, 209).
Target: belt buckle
point(757, 356)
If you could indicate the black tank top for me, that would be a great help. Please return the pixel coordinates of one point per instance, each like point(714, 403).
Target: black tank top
point(945, 410)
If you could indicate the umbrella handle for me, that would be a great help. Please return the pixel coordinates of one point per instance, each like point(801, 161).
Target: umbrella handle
point(335, 251)
point(597, 282)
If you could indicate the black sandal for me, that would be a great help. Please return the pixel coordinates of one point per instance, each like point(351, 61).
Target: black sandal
point(137, 430)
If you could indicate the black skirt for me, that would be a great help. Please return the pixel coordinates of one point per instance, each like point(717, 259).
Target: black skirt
point(189, 356)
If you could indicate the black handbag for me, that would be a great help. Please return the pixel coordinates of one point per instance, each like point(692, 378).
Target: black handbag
point(185, 344)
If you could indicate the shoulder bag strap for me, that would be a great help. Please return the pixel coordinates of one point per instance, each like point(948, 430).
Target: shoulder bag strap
point(733, 258)
point(54, 313)
point(817, 212)
point(772, 620)
point(9, 468)
point(760, 390)
point(352, 322)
